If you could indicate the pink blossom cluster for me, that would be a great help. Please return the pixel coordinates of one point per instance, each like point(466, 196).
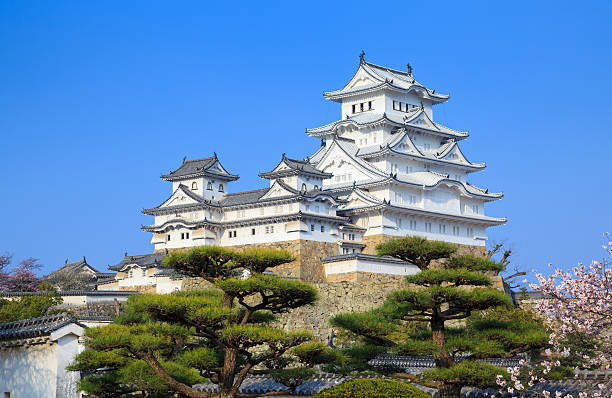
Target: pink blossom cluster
point(576, 301)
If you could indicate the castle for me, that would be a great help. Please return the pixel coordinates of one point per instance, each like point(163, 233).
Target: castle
point(384, 169)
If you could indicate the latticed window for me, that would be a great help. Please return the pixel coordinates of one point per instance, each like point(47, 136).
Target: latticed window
point(194, 186)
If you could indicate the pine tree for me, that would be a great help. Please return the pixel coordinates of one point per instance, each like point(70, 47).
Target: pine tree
point(169, 342)
point(449, 287)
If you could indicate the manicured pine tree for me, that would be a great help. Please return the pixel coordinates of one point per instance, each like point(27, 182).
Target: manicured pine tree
point(447, 288)
point(169, 342)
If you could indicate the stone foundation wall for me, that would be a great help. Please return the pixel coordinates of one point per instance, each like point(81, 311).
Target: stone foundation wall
point(308, 253)
point(369, 291)
point(372, 240)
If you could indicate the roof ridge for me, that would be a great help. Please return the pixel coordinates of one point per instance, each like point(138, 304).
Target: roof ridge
point(245, 192)
point(38, 320)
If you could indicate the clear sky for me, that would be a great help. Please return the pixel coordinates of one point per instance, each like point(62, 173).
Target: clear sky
point(97, 99)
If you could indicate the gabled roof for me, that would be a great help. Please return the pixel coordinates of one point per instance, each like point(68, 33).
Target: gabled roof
point(416, 119)
point(391, 144)
point(209, 166)
point(366, 119)
point(350, 150)
point(195, 201)
point(77, 267)
point(290, 167)
point(35, 327)
point(371, 77)
point(142, 260)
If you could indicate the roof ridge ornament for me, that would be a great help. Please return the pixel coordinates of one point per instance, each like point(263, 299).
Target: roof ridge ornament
point(409, 70)
point(361, 57)
point(184, 159)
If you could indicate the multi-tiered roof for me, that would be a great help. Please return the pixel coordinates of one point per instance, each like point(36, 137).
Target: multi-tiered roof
point(443, 165)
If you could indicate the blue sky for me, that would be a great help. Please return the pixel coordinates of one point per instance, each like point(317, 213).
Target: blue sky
point(98, 99)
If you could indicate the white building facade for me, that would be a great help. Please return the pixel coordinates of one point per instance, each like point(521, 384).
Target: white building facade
point(384, 169)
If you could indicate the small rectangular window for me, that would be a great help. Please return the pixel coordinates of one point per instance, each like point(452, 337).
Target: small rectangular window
point(252, 231)
point(311, 227)
point(168, 237)
point(322, 228)
point(271, 229)
point(354, 108)
point(361, 107)
point(369, 105)
point(186, 235)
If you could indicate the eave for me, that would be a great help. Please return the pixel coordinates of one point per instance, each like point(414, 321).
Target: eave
point(388, 150)
point(484, 220)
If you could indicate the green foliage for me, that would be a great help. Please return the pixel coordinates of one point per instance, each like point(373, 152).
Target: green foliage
point(25, 307)
point(208, 262)
point(281, 294)
point(456, 276)
point(471, 373)
point(354, 359)
point(419, 251)
point(166, 342)
point(372, 388)
point(293, 377)
point(370, 324)
point(316, 353)
point(454, 287)
point(474, 263)
point(257, 260)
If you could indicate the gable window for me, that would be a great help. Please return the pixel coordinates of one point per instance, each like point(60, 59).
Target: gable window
point(220, 187)
point(209, 186)
point(303, 187)
point(194, 186)
point(316, 187)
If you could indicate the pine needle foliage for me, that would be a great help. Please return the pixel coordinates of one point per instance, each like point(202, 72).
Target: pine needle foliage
point(373, 388)
point(163, 344)
point(449, 287)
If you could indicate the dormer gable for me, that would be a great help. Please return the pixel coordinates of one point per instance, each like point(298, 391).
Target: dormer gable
point(181, 196)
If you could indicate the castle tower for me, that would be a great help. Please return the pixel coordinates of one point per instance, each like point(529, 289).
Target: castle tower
point(411, 173)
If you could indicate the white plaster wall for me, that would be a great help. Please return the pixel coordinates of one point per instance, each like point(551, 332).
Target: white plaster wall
point(358, 265)
point(397, 224)
point(29, 371)
point(66, 382)
point(378, 104)
point(166, 285)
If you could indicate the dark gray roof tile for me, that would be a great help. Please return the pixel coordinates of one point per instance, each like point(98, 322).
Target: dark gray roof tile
point(35, 327)
point(142, 260)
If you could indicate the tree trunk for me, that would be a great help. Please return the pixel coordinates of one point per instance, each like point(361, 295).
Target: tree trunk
point(226, 378)
point(449, 391)
point(442, 357)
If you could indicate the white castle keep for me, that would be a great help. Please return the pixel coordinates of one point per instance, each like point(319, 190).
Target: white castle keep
point(384, 169)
